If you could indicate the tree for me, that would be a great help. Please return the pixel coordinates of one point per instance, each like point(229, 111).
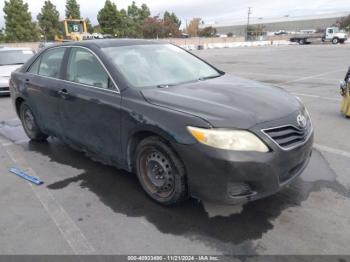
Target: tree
point(89, 26)
point(152, 27)
point(155, 27)
point(136, 17)
point(109, 18)
point(170, 28)
point(344, 23)
point(18, 22)
point(48, 20)
point(193, 27)
point(144, 12)
point(255, 31)
point(133, 11)
point(173, 18)
point(97, 29)
point(72, 9)
point(2, 36)
point(124, 22)
point(207, 32)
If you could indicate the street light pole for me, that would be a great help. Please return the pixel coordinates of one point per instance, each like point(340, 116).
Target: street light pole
point(249, 13)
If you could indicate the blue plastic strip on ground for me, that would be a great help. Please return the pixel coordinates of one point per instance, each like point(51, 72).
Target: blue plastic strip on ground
point(25, 176)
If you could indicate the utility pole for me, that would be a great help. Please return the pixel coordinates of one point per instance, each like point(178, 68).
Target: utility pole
point(249, 13)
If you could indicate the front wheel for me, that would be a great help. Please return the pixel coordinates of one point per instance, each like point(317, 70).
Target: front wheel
point(30, 125)
point(335, 41)
point(160, 172)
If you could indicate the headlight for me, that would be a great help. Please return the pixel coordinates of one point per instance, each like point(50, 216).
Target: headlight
point(238, 140)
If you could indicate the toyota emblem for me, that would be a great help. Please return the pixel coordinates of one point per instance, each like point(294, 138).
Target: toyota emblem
point(301, 121)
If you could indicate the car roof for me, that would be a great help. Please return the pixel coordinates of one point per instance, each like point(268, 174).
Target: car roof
point(3, 48)
point(102, 43)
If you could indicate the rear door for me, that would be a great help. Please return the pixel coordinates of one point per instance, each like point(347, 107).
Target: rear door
point(90, 105)
point(43, 83)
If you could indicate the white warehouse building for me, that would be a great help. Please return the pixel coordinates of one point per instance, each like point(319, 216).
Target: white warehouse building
point(288, 23)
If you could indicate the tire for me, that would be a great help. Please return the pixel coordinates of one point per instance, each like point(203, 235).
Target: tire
point(160, 172)
point(302, 42)
point(335, 41)
point(342, 41)
point(30, 125)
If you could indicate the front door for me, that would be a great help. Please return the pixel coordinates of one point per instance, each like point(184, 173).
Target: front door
point(329, 34)
point(90, 105)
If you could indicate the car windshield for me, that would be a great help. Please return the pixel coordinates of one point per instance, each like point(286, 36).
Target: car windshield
point(15, 57)
point(158, 65)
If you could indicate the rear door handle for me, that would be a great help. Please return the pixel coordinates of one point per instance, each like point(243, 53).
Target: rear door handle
point(63, 93)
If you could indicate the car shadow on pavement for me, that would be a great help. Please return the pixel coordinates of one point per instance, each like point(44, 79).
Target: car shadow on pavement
point(121, 191)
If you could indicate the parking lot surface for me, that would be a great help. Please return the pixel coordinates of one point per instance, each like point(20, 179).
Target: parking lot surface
point(85, 207)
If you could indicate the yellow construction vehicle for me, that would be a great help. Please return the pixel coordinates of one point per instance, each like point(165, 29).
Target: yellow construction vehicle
point(73, 30)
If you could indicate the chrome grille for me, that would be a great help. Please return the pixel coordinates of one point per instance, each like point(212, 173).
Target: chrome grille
point(289, 136)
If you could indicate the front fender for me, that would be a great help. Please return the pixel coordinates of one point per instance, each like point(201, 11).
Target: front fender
point(141, 117)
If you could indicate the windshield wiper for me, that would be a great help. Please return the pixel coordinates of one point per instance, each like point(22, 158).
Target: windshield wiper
point(207, 77)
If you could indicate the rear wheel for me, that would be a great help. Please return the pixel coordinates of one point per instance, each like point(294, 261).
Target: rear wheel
point(160, 172)
point(30, 125)
point(335, 41)
point(302, 42)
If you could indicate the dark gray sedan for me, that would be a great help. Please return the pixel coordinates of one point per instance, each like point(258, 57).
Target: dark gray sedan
point(183, 126)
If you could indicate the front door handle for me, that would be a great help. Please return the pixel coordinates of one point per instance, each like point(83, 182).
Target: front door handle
point(63, 93)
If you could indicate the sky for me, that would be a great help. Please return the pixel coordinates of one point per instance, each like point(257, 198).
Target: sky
point(209, 10)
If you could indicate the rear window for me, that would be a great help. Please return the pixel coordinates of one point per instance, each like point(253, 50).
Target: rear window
point(51, 62)
point(15, 57)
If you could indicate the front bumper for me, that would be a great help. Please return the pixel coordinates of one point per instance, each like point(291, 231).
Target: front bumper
point(4, 91)
point(230, 177)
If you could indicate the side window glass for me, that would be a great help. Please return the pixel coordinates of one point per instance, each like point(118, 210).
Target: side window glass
point(34, 68)
point(84, 68)
point(51, 62)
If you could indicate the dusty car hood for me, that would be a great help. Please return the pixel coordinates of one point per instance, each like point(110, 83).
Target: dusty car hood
point(226, 101)
point(6, 70)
